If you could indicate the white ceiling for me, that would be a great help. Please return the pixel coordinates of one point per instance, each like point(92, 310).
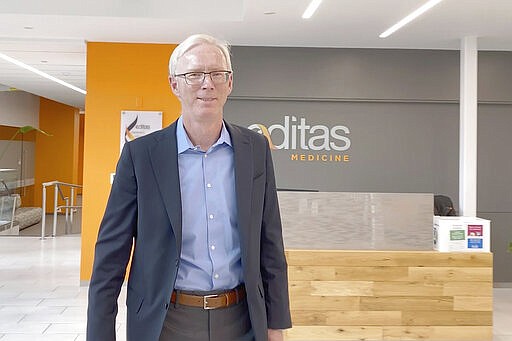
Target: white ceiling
point(50, 35)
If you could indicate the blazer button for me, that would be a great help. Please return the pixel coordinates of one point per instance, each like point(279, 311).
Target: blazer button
point(166, 306)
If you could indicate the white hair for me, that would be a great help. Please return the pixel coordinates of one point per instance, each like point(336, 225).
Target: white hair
point(193, 41)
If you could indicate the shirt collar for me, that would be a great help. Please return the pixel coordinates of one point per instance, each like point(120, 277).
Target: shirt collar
point(185, 144)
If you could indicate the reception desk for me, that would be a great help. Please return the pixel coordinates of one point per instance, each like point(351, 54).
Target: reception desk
point(341, 289)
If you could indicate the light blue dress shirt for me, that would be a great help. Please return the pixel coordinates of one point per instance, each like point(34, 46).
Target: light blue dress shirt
point(210, 252)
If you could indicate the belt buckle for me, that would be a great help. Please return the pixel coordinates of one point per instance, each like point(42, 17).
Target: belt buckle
point(205, 301)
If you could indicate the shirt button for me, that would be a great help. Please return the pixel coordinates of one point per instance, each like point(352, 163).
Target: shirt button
point(210, 216)
point(216, 276)
point(212, 247)
point(209, 185)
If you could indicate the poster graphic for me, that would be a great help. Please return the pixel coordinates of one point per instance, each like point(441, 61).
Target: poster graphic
point(138, 123)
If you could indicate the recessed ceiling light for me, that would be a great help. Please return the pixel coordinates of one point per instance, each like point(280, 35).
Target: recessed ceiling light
point(269, 13)
point(40, 73)
point(312, 7)
point(28, 27)
point(44, 61)
point(425, 7)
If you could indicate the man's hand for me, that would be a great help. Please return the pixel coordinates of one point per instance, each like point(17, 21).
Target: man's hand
point(275, 335)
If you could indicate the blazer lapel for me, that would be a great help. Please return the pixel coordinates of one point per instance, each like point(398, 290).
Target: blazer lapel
point(164, 161)
point(243, 181)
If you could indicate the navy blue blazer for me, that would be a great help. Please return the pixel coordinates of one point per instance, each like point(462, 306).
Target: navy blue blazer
point(144, 212)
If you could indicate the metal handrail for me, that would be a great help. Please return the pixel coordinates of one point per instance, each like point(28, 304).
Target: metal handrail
point(69, 206)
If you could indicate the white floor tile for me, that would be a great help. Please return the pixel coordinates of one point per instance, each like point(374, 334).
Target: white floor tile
point(66, 328)
point(8, 317)
point(37, 337)
point(16, 301)
point(31, 310)
point(502, 338)
point(48, 294)
point(52, 318)
point(75, 311)
point(61, 302)
point(23, 327)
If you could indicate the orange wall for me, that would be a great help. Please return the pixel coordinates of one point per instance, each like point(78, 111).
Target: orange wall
point(27, 196)
point(81, 128)
point(119, 77)
point(56, 156)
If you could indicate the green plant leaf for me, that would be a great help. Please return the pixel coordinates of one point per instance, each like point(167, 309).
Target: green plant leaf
point(26, 129)
point(21, 130)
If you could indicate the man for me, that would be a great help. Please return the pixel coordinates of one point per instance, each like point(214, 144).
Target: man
point(198, 204)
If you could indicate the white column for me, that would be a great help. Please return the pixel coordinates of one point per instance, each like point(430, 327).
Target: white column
point(468, 126)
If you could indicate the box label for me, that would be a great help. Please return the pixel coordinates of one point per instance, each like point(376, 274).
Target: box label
point(475, 243)
point(457, 235)
point(475, 230)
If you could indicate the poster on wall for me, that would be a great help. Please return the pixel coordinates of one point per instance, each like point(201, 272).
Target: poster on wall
point(138, 123)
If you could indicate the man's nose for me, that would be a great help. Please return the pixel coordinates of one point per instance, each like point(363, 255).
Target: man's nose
point(208, 81)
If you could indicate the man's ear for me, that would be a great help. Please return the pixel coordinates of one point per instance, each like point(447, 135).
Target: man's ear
point(230, 84)
point(174, 86)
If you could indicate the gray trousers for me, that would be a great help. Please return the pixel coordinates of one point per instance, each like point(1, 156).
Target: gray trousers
point(184, 323)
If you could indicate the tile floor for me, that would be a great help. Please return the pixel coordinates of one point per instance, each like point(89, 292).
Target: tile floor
point(41, 299)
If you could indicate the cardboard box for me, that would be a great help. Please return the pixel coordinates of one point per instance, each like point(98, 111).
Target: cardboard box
point(468, 234)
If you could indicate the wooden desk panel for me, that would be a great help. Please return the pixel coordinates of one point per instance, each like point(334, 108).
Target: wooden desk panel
point(389, 295)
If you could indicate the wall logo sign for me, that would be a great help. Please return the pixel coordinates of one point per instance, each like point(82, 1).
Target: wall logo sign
point(306, 142)
point(138, 123)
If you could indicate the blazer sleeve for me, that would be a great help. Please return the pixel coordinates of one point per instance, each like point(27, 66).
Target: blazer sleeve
point(112, 251)
point(273, 261)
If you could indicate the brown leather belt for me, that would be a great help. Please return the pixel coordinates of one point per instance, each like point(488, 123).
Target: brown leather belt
point(221, 300)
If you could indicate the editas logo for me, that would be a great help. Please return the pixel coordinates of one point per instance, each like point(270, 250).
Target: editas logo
point(297, 134)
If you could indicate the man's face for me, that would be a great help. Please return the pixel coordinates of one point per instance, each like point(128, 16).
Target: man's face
point(203, 101)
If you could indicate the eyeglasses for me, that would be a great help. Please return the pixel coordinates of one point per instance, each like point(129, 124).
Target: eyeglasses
point(197, 78)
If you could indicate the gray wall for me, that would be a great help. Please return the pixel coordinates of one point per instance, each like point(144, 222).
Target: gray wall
point(401, 107)
point(368, 74)
point(494, 181)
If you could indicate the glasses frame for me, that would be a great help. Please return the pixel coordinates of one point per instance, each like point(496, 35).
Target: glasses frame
point(187, 80)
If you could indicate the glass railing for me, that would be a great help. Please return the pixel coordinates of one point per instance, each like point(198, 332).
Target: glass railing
point(7, 207)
